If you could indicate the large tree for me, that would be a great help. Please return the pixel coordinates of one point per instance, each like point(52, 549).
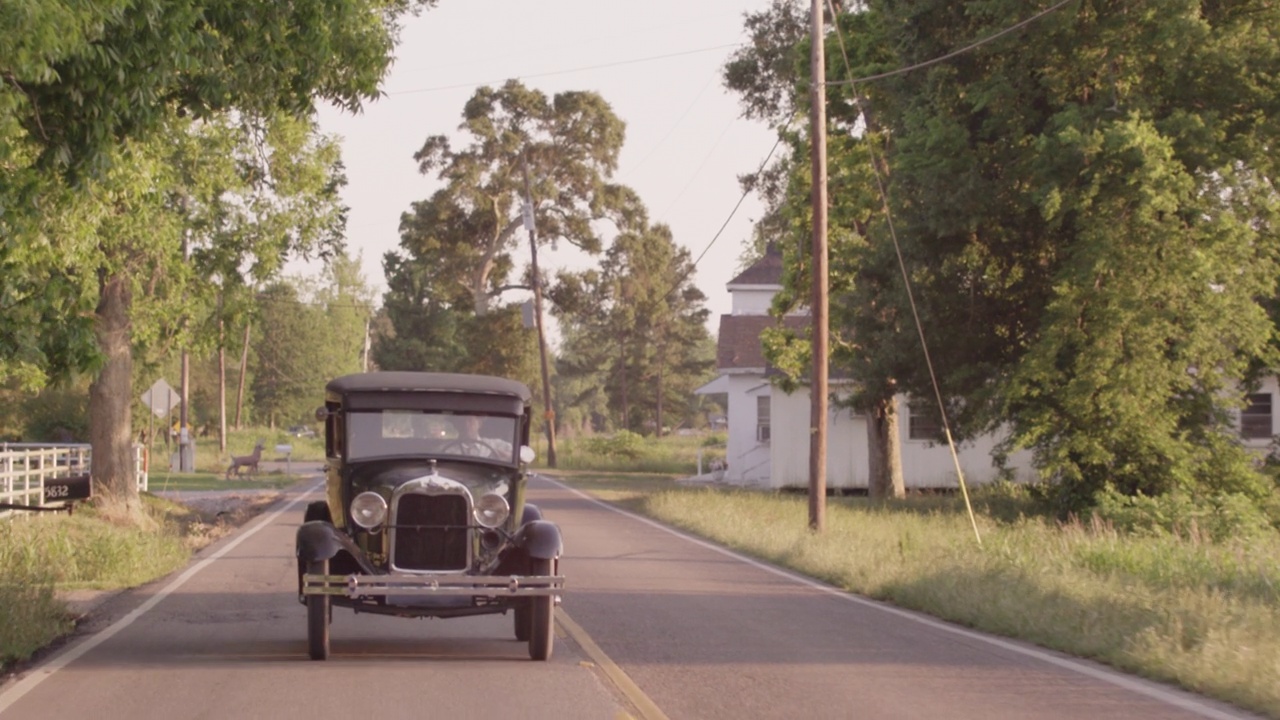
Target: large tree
point(93, 209)
point(770, 75)
point(638, 325)
point(1088, 218)
point(309, 330)
point(566, 148)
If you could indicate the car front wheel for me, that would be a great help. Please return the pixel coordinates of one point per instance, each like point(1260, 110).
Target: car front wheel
point(318, 615)
point(542, 618)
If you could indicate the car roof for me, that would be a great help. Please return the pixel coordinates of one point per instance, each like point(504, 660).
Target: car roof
point(403, 381)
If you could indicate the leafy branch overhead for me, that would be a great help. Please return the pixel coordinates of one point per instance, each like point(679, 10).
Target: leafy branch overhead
point(151, 154)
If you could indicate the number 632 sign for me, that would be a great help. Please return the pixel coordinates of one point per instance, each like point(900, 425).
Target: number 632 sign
point(75, 487)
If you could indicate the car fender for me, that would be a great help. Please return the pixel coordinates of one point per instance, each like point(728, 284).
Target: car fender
point(320, 540)
point(531, 512)
point(540, 539)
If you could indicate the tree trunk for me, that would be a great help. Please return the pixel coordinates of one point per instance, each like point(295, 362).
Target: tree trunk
point(480, 296)
point(622, 368)
point(244, 368)
point(885, 462)
point(222, 391)
point(111, 401)
point(658, 413)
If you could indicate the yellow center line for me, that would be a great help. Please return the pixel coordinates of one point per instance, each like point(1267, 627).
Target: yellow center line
point(647, 708)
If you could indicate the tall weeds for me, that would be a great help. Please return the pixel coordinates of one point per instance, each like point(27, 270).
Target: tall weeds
point(42, 555)
point(1180, 607)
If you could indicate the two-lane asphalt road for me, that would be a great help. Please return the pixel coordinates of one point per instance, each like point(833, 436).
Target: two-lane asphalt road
point(653, 623)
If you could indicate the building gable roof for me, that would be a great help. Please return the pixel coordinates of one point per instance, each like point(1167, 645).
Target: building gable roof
point(738, 346)
point(765, 271)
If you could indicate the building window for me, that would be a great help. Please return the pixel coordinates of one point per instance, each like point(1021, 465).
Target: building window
point(762, 418)
point(1255, 419)
point(923, 422)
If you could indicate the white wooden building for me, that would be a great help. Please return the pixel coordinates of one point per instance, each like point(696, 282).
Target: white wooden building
point(768, 442)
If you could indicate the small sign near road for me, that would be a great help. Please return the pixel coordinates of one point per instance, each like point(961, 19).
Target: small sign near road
point(161, 398)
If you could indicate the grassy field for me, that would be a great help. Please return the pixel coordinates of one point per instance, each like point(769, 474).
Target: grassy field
point(1173, 606)
point(210, 459)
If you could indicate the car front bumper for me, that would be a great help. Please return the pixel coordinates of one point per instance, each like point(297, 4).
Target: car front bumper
point(357, 586)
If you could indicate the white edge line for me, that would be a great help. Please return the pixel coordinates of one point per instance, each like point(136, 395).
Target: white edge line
point(1142, 687)
point(39, 674)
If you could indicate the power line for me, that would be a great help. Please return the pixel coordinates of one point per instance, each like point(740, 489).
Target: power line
point(669, 132)
point(705, 159)
point(584, 68)
point(684, 276)
point(942, 58)
point(884, 200)
point(869, 78)
point(734, 211)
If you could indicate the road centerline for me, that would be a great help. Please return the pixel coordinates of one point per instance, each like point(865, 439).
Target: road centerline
point(647, 708)
point(1176, 698)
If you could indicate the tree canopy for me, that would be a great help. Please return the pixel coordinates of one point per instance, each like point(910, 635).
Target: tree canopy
point(1087, 212)
point(636, 327)
point(109, 117)
point(566, 147)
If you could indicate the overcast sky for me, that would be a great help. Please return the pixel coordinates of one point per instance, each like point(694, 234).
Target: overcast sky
point(657, 63)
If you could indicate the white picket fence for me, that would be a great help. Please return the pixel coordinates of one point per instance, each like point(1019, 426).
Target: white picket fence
point(26, 467)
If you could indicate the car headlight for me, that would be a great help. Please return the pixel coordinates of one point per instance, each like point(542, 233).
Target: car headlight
point(368, 510)
point(492, 510)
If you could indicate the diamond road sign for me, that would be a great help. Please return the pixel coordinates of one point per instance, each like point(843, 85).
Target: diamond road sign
point(161, 398)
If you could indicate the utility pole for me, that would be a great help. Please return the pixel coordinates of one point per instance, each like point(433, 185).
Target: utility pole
point(367, 320)
point(222, 379)
point(818, 305)
point(549, 417)
point(244, 368)
point(186, 451)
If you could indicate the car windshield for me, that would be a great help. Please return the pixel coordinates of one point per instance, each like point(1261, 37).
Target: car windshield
point(389, 433)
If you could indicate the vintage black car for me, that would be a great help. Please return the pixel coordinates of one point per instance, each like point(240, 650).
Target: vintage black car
point(425, 514)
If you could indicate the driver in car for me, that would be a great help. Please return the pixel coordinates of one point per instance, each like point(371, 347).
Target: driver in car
point(473, 444)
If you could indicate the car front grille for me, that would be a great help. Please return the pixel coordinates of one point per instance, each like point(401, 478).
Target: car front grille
point(431, 532)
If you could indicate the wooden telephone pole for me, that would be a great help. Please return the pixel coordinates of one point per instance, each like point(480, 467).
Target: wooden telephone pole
point(818, 305)
point(549, 415)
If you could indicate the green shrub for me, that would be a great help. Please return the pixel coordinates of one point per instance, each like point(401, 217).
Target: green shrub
point(622, 444)
point(1214, 517)
point(57, 415)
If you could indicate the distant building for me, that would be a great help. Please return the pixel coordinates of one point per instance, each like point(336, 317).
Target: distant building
point(768, 443)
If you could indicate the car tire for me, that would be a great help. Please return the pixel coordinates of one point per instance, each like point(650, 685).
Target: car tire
point(524, 621)
point(542, 615)
point(318, 616)
point(318, 510)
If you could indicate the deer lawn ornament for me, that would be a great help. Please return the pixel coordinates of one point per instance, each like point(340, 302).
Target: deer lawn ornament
point(248, 462)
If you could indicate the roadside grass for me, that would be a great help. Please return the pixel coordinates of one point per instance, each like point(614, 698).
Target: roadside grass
point(173, 481)
point(240, 442)
point(628, 452)
point(42, 556)
point(1174, 607)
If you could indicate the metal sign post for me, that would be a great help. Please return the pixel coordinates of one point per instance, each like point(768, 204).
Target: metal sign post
point(158, 398)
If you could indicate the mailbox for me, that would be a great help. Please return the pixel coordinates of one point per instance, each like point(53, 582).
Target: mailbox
point(73, 487)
